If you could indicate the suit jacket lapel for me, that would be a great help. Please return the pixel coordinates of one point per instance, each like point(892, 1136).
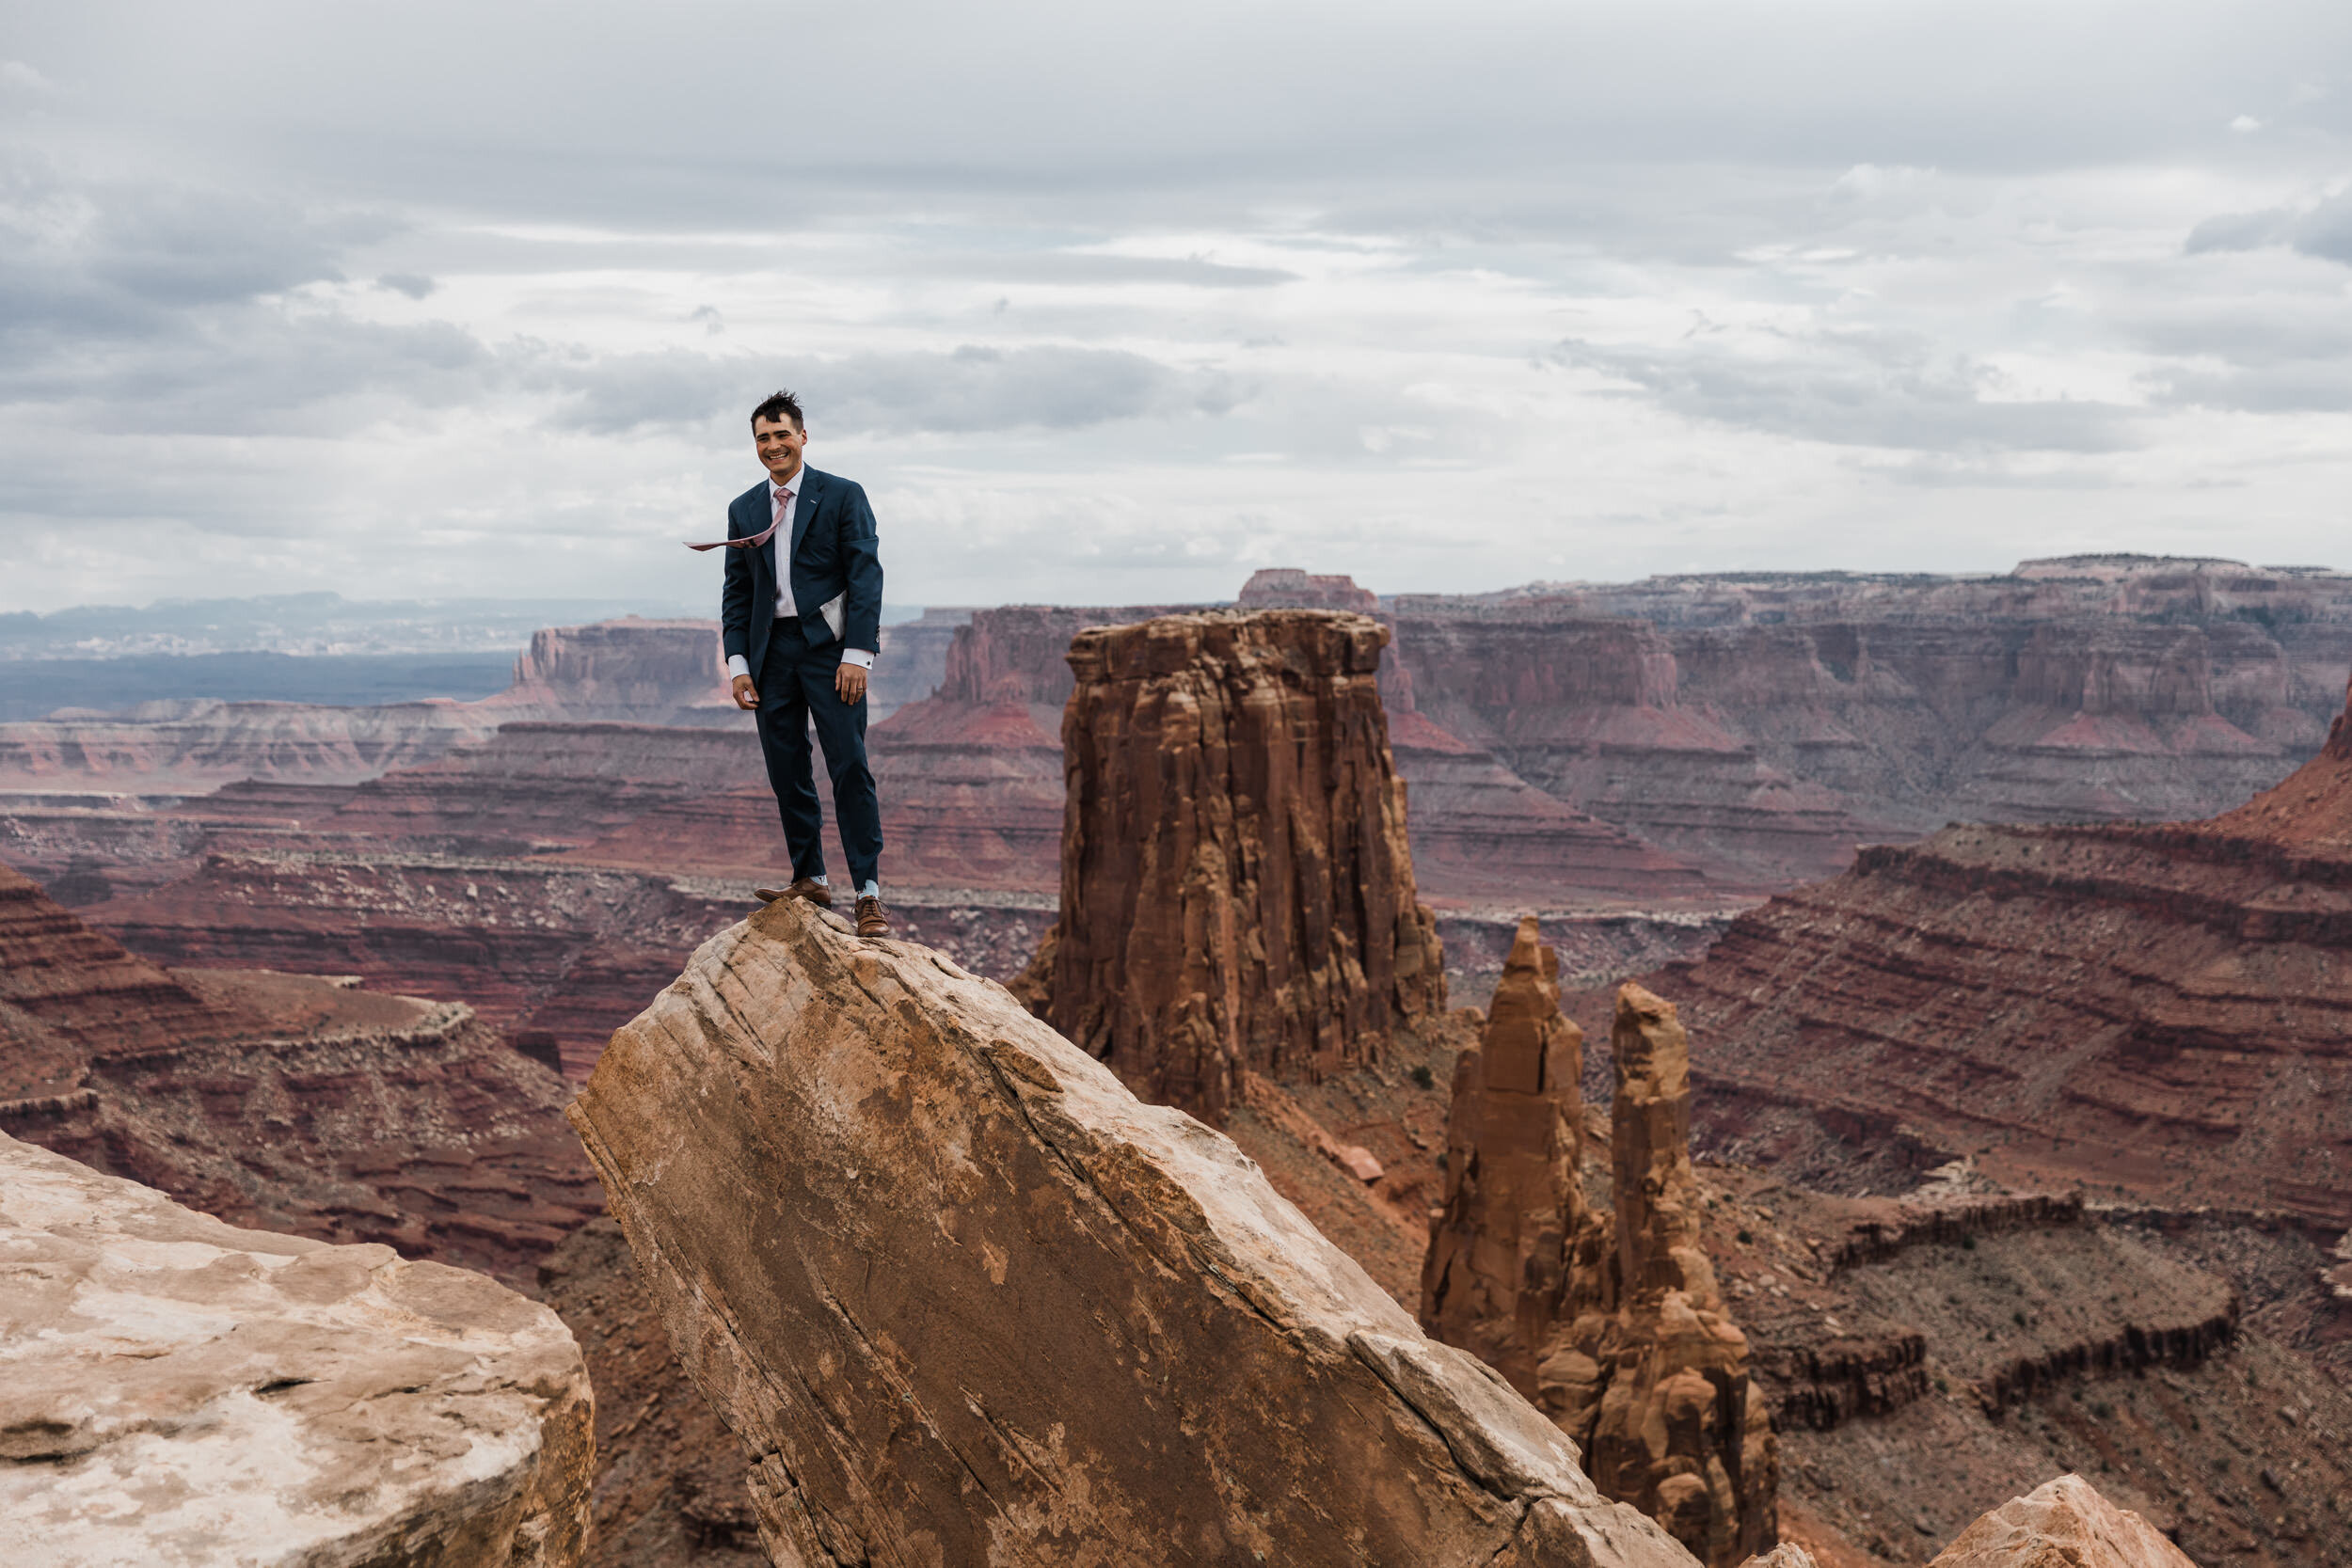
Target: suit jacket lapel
point(804, 507)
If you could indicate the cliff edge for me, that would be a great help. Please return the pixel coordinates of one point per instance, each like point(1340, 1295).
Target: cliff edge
point(180, 1393)
point(964, 1298)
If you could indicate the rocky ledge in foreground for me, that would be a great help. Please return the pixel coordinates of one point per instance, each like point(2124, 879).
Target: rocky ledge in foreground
point(180, 1392)
point(966, 1300)
point(2065, 1523)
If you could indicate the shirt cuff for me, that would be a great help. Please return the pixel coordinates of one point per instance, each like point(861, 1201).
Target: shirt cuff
point(738, 665)
point(858, 656)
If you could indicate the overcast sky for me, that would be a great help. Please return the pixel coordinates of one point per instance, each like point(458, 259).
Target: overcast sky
point(1115, 303)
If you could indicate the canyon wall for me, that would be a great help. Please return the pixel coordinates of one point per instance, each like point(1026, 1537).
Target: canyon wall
point(181, 1393)
point(283, 1102)
point(2158, 1012)
point(1237, 889)
point(1684, 741)
point(1124, 1349)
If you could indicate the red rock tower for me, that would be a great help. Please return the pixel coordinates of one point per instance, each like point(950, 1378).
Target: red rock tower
point(1611, 1322)
point(1497, 1265)
point(1237, 889)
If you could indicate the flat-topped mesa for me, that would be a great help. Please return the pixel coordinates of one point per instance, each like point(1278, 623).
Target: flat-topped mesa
point(1236, 889)
point(1611, 1322)
point(180, 1393)
point(964, 1299)
point(1290, 588)
point(629, 669)
point(1497, 1266)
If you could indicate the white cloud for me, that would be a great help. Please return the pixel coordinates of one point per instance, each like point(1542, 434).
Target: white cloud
point(1107, 309)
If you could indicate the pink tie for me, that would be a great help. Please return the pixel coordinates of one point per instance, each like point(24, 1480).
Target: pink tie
point(783, 499)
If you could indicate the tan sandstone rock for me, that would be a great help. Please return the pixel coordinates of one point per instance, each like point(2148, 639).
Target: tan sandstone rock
point(177, 1393)
point(966, 1301)
point(1236, 889)
point(2064, 1524)
point(1786, 1555)
point(1612, 1323)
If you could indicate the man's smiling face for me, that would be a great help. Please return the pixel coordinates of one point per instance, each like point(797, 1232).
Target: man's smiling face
point(778, 443)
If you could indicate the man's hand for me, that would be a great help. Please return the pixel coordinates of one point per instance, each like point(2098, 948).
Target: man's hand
point(746, 695)
point(850, 681)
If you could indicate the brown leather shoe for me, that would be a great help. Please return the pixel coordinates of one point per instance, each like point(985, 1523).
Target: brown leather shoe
point(871, 921)
point(809, 888)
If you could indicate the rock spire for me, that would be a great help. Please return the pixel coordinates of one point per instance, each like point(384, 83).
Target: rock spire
point(1497, 1265)
point(1236, 889)
point(1612, 1321)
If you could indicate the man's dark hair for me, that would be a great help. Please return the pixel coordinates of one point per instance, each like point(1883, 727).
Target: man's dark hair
point(780, 406)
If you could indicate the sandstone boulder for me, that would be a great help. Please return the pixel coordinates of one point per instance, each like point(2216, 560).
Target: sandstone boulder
point(966, 1300)
point(2065, 1523)
point(1786, 1555)
point(180, 1392)
point(1236, 889)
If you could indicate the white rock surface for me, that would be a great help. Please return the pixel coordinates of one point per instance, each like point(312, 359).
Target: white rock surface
point(175, 1392)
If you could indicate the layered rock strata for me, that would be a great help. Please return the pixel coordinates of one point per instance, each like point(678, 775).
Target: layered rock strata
point(1589, 710)
point(67, 991)
point(183, 1393)
point(2065, 1522)
point(281, 1101)
point(1612, 1323)
point(2157, 1012)
point(964, 1298)
point(1237, 892)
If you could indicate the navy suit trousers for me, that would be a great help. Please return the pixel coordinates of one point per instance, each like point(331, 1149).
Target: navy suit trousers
point(796, 690)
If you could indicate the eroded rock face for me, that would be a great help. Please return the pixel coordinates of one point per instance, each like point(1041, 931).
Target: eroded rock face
point(1237, 894)
point(1611, 1322)
point(964, 1299)
point(284, 1101)
point(182, 1393)
point(2066, 1522)
point(1496, 1271)
point(1673, 1424)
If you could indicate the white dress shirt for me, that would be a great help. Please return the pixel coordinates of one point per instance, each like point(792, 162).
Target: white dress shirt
point(785, 500)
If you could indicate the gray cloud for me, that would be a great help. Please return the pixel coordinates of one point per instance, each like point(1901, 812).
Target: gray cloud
point(1045, 272)
point(1855, 389)
point(961, 391)
point(1062, 266)
point(2322, 229)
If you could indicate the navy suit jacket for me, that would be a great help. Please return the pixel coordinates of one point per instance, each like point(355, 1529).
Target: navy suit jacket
point(833, 551)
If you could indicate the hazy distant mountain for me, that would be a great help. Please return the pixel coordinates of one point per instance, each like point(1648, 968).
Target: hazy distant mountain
point(306, 624)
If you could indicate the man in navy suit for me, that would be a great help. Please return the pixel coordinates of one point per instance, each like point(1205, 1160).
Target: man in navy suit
point(803, 607)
